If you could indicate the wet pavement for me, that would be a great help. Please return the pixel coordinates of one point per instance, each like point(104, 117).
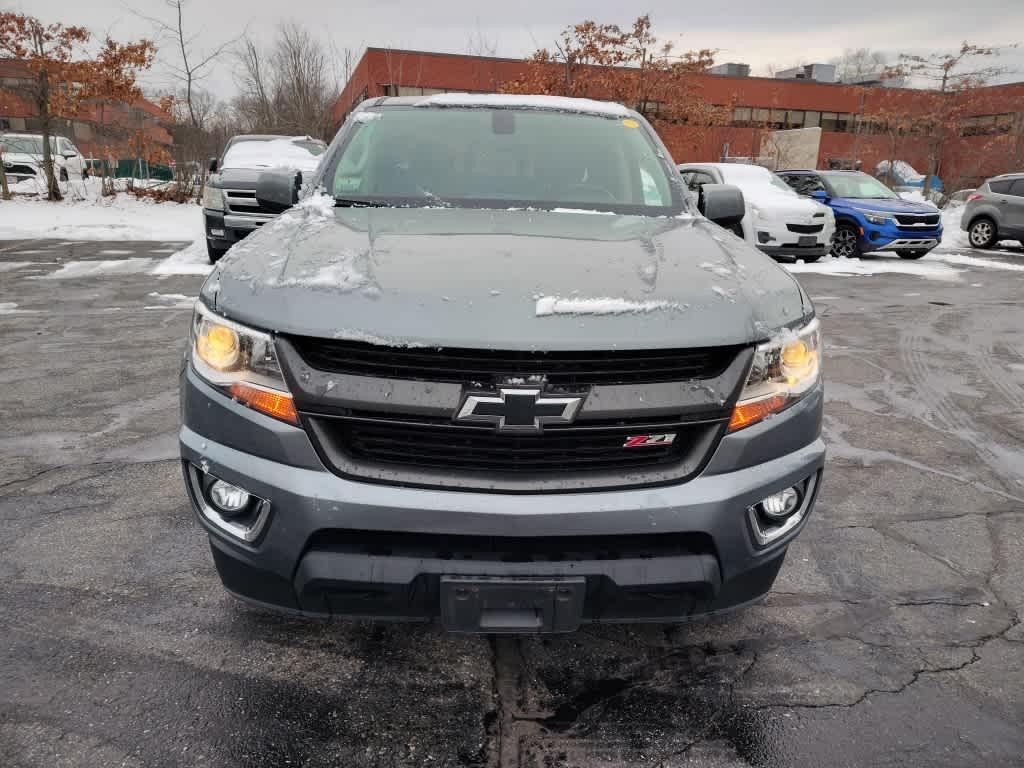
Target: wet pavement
point(892, 637)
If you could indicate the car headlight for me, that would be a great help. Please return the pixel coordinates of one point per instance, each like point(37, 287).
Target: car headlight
point(213, 198)
point(784, 370)
point(877, 218)
point(756, 212)
point(242, 362)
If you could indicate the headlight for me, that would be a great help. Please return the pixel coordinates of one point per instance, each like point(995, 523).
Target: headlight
point(755, 211)
point(877, 218)
point(784, 370)
point(213, 198)
point(242, 362)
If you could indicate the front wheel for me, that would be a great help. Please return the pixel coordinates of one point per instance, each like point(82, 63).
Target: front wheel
point(982, 233)
point(846, 243)
point(912, 254)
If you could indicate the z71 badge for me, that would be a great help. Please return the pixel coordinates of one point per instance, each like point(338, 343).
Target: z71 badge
point(642, 441)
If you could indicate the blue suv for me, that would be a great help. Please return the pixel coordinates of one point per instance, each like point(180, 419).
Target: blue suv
point(869, 215)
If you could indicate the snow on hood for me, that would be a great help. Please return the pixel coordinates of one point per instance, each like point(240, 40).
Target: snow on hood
point(502, 279)
point(759, 189)
point(513, 101)
point(273, 153)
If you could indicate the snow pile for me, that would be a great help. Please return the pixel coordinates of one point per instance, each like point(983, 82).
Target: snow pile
point(318, 205)
point(960, 260)
point(172, 300)
point(513, 101)
point(122, 217)
point(275, 153)
point(952, 235)
point(901, 169)
point(557, 305)
point(879, 266)
point(348, 334)
point(192, 260)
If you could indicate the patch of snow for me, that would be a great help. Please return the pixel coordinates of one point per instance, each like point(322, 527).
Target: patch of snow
point(952, 235)
point(192, 260)
point(9, 266)
point(10, 308)
point(102, 268)
point(557, 305)
point(115, 252)
point(367, 116)
point(318, 204)
point(93, 217)
point(825, 298)
point(175, 300)
point(718, 269)
point(341, 275)
point(960, 260)
point(495, 292)
point(350, 334)
point(915, 196)
point(513, 101)
point(878, 266)
point(273, 153)
point(582, 210)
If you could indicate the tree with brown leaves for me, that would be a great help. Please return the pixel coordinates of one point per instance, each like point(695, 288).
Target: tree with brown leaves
point(630, 66)
point(65, 77)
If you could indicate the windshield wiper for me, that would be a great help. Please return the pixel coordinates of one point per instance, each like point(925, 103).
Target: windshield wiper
point(347, 202)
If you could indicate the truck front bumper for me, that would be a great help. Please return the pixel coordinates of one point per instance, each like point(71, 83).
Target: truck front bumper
point(331, 546)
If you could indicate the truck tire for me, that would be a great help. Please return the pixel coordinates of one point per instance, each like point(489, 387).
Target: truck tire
point(846, 242)
point(982, 233)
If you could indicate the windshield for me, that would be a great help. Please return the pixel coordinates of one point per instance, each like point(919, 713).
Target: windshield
point(29, 145)
point(858, 185)
point(503, 158)
point(300, 153)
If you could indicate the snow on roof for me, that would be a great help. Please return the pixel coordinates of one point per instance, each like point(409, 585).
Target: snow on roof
point(514, 101)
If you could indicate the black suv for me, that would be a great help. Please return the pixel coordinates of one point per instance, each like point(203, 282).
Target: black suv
point(229, 198)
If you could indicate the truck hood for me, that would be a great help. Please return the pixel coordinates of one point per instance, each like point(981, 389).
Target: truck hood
point(23, 158)
point(516, 279)
point(886, 206)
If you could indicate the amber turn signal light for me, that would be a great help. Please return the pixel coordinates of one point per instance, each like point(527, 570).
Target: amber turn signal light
point(277, 404)
point(745, 414)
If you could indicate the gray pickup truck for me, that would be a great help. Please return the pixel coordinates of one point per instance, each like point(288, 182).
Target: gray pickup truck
point(495, 368)
point(230, 208)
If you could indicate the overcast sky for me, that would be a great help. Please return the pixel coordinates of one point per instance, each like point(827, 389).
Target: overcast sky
point(761, 33)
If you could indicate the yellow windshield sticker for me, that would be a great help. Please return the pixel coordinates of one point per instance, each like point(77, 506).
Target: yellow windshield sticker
point(629, 122)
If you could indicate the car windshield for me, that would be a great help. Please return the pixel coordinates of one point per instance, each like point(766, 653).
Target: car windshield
point(300, 153)
point(503, 158)
point(29, 145)
point(858, 185)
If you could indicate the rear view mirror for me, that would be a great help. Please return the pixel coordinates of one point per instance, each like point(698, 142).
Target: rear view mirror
point(278, 189)
point(722, 203)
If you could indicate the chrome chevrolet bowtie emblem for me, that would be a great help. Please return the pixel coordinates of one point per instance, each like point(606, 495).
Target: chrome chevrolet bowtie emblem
point(518, 409)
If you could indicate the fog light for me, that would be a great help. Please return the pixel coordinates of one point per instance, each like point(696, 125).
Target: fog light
point(780, 505)
point(216, 232)
point(227, 498)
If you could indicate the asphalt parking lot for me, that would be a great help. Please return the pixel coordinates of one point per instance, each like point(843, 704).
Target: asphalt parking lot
point(892, 638)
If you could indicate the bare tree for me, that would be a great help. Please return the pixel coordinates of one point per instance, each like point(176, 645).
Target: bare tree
point(859, 64)
point(290, 87)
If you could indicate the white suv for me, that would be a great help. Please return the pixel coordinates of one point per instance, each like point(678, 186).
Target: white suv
point(778, 220)
point(23, 157)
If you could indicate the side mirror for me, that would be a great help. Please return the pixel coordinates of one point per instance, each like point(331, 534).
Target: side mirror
point(213, 165)
point(278, 189)
point(722, 203)
point(68, 155)
point(820, 195)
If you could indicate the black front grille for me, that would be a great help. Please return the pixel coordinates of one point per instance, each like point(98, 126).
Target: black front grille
point(473, 367)
point(15, 168)
point(916, 220)
point(805, 229)
point(436, 444)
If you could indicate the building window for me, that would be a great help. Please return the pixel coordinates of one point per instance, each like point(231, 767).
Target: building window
point(812, 119)
point(741, 116)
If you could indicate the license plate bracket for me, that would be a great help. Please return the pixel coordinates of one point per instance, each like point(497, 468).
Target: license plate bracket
point(503, 604)
point(807, 240)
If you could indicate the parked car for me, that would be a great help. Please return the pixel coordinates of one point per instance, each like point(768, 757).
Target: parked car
point(23, 157)
point(959, 198)
point(441, 387)
point(870, 216)
point(777, 220)
point(995, 211)
point(230, 208)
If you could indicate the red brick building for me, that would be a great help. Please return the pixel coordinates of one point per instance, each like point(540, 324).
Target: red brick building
point(993, 141)
point(95, 126)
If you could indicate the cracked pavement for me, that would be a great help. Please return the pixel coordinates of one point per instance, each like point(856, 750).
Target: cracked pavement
point(893, 636)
